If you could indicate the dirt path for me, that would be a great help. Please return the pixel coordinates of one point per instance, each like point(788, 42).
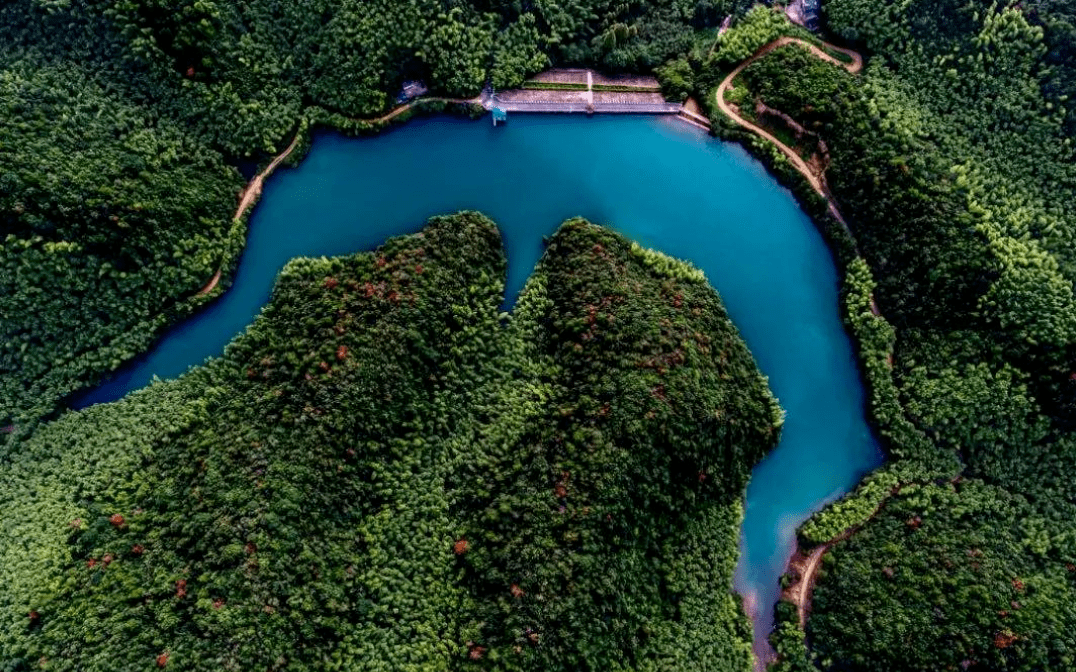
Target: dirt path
point(254, 189)
point(807, 584)
point(816, 182)
point(806, 567)
point(407, 106)
point(800, 592)
point(209, 286)
point(247, 198)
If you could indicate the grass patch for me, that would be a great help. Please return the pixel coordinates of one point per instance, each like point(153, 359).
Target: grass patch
point(737, 94)
point(573, 86)
point(621, 88)
point(555, 86)
point(839, 55)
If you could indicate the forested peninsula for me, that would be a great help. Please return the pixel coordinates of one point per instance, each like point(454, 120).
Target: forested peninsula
point(181, 527)
point(386, 472)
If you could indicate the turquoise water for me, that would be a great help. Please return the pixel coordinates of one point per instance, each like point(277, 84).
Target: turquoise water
point(660, 182)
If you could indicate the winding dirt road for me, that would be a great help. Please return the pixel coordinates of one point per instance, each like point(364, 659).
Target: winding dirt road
point(247, 198)
point(807, 567)
point(254, 189)
point(817, 183)
point(801, 591)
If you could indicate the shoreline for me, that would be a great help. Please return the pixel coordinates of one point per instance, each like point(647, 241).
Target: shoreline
point(250, 194)
point(817, 182)
point(843, 247)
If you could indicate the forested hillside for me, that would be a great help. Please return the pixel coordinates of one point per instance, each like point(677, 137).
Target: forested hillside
point(122, 123)
point(951, 157)
point(382, 470)
point(386, 473)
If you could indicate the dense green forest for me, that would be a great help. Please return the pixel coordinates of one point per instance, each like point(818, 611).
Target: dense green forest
point(122, 124)
point(181, 526)
point(962, 576)
point(951, 157)
point(386, 473)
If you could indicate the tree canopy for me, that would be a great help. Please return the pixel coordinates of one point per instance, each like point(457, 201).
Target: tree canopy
point(385, 472)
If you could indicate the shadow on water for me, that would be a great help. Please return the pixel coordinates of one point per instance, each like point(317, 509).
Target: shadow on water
point(658, 181)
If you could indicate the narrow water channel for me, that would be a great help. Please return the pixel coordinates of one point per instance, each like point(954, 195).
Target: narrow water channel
point(659, 181)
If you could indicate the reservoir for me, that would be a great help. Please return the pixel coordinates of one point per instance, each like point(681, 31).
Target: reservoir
point(660, 182)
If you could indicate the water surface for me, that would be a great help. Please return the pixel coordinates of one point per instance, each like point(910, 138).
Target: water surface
point(658, 181)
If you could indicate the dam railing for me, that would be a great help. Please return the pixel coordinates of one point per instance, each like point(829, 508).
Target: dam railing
point(584, 108)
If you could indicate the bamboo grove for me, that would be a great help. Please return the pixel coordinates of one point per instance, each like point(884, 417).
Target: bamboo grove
point(179, 528)
point(385, 472)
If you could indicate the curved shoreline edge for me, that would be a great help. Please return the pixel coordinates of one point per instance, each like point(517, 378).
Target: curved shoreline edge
point(812, 192)
point(873, 340)
point(250, 194)
point(817, 182)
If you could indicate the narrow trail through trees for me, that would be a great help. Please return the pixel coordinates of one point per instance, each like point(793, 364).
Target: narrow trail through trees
point(209, 286)
point(407, 106)
point(816, 181)
point(799, 592)
point(247, 198)
point(254, 189)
